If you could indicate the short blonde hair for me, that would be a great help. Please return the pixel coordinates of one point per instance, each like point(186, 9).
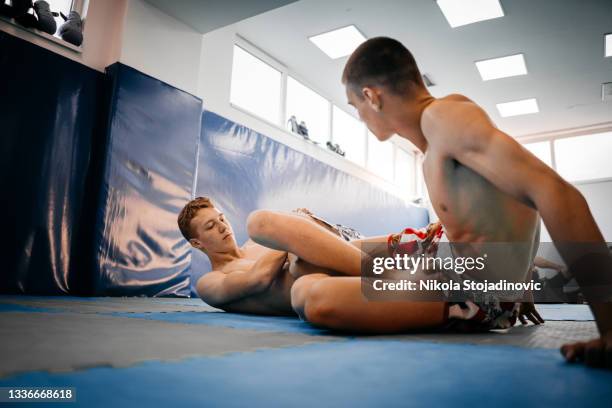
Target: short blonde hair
point(189, 211)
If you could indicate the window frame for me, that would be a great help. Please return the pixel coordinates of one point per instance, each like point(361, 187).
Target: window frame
point(552, 138)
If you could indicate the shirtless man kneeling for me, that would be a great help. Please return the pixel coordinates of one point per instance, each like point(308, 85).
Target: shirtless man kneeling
point(484, 186)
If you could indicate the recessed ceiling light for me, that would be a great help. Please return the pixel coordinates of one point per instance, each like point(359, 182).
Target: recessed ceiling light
point(608, 41)
point(459, 13)
point(516, 108)
point(503, 67)
point(339, 43)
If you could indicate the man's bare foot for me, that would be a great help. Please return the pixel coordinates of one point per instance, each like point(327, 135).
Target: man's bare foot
point(303, 211)
point(594, 353)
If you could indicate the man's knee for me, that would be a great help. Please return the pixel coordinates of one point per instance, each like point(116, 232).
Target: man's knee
point(298, 295)
point(300, 292)
point(319, 308)
point(260, 223)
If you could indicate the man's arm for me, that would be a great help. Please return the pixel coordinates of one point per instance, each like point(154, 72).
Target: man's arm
point(218, 288)
point(471, 138)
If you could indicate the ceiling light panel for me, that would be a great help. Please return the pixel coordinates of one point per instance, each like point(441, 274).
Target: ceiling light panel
point(515, 108)
point(339, 43)
point(503, 67)
point(460, 13)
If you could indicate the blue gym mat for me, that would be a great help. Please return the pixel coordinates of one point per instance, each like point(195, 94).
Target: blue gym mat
point(356, 373)
point(291, 364)
point(12, 307)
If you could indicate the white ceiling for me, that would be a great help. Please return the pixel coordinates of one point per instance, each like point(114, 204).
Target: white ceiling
point(562, 41)
point(208, 15)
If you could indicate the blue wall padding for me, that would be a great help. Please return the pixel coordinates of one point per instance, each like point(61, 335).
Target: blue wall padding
point(95, 169)
point(153, 133)
point(242, 170)
point(48, 120)
point(354, 373)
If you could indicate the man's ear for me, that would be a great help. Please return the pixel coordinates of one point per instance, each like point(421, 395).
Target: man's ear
point(196, 243)
point(372, 96)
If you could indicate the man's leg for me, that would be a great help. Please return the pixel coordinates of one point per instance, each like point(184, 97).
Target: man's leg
point(337, 303)
point(306, 239)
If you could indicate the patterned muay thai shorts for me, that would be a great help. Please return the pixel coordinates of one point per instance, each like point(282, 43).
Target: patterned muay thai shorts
point(481, 312)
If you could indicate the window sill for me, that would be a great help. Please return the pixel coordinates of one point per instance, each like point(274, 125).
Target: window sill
point(48, 37)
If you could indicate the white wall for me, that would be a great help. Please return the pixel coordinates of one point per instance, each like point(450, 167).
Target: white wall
point(214, 89)
point(102, 34)
point(161, 46)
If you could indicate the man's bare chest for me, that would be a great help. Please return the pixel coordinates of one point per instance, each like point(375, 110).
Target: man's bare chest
point(467, 204)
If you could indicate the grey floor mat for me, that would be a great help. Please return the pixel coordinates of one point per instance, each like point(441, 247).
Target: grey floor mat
point(551, 335)
point(66, 341)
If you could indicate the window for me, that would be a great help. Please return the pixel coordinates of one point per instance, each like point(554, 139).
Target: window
point(310, 107)
point(584, 157)
point(405, 171)
point(349, 133)
point(541, 150)
point(265, 89)
point(380, 157)
point(256, 86)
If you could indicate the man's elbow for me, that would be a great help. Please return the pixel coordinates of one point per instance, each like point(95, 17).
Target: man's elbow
point(204, 293)
point(568, 193)
point(556, 190)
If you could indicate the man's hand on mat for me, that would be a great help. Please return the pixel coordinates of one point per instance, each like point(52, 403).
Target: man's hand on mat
point(528, 311)
point(594, 353)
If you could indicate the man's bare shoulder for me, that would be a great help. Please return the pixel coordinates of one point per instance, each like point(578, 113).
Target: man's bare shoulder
point(455, 98)
point(452, 116)
point(209, 277)
point(440, 108)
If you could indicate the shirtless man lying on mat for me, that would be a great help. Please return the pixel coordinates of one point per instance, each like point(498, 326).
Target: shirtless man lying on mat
point(259, 277)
